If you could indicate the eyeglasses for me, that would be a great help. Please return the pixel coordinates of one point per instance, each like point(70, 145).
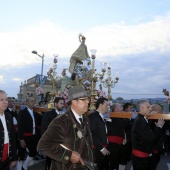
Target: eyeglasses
point(83, 99)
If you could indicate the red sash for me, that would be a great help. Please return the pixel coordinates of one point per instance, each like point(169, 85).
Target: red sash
point(28, 134)
point(5, 152)
point(140, 153)
point(115, 139)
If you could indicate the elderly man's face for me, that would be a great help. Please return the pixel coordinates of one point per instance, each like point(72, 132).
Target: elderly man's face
point(145, 109)
point(80, 105)
point(3, 102)
point(154, 109)
point(118, 108)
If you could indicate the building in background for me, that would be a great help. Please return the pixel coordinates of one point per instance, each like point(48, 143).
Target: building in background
point(30, 88)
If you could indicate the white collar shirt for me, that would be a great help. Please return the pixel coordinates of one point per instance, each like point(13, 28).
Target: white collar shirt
point(103, 120)
point(32, 115)
point(6, 137)
point(77, 116)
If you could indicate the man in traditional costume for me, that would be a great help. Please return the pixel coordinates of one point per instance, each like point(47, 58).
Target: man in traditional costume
point(68, 139)
point(8, 154)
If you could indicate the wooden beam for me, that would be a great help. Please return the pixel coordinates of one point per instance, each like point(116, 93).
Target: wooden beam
point(129, 115)
point(36, 109)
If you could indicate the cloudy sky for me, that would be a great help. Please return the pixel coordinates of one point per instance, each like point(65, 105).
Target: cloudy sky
point(134, 35)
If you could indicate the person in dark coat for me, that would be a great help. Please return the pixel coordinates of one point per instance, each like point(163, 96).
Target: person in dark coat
point(99, 133)
point(8, 156)
point(48, 117)
point(27, 131)
point(159, 143)
point(127, 146)
point(116, 136)
point(143, 138)
point(68, 139)
point(13, 112)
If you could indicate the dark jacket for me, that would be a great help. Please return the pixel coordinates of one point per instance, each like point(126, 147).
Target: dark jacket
point(143, 139)
point(25, 123)
point(13, 114)
point(159, 142)
point(12, 141)
point(61, 138)
point(98, 130)
point(47, 118)
point(116, 127)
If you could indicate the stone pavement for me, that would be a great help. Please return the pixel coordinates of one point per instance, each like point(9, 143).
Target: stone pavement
point(164, 164)
point(35, 165)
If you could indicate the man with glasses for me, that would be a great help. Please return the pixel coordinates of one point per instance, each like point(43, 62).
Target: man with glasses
point(68, 141)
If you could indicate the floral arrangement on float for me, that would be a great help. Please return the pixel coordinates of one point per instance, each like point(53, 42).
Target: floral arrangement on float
point(64, 94)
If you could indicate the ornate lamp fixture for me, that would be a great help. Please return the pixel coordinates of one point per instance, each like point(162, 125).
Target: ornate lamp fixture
point(95, 77)
point(109, 82)
point(54, 78)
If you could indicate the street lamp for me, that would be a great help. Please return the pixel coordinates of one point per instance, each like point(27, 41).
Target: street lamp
point(42, 57)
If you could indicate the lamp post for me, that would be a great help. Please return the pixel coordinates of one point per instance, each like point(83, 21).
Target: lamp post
point(42, 57)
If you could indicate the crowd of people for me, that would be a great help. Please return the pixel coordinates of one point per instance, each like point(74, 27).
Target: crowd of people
point(77, 139)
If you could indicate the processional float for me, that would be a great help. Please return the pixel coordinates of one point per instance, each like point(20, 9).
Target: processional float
point(83, 72)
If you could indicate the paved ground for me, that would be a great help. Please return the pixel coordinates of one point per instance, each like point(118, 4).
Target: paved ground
point(164, 164)
point(35, 165)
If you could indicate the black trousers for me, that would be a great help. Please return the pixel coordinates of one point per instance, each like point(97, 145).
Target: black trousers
point(4, 165)
point(101, 160)
point(31, 144)
point(156, 158)
point(142, 163)
point(47, 163)
point(126, 153)
point(115, 153)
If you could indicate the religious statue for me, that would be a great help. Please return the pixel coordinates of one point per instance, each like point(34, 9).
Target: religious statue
point(79, 68)
point(79, 55)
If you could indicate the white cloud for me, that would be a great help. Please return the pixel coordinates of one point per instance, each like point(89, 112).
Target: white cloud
point(1, 79)
point(139, 52)
point(110, 40)
point(122, 39)
point(17, 79)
